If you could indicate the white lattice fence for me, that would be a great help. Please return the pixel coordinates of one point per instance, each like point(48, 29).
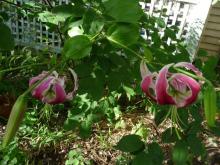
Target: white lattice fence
point(177, 13)
point(31, 32)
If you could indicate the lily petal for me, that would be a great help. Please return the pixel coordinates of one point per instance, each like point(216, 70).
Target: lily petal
point(189, 97)
point(59, 93)
point(162, 86)
point(45, 85)
point(147, 84)
point(76, 85)
point(189, 66)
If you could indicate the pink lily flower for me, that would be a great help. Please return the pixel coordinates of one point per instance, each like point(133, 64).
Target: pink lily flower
point(52, 89)
point(170, 88)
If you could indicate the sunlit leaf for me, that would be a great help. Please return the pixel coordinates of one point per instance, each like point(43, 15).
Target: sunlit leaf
point(125, 34)
point(77, 47)
point(124, 11)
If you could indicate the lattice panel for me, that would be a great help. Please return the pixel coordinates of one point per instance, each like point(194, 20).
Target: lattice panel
point(33, 33)
point(176, 11)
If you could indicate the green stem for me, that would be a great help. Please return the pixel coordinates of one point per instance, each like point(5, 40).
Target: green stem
point(95, 36)
point(193, 76)
point(133, 52)
point(21, 67)
point(125, 47)
point(177, 133)
point(174, 119)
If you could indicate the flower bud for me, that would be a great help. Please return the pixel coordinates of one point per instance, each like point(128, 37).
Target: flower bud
point(16, 116)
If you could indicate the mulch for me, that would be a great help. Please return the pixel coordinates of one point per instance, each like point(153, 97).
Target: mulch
point(99, 148)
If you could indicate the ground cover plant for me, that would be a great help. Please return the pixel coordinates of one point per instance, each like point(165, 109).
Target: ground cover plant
point(110, 96)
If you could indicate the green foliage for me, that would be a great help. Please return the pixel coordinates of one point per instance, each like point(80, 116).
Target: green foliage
point(141, 159)
point(77, 47)
point(103, 44)
point(210, 107)
point(169, 135)
point(65, 11)
point(12, 155)
point(196, 146)
point(6, 40)
point(130, 143)
point(208, 64)
point(125, 34)
point(156, 153)
point(75, 158)
point(119, 10)
point(180, 153)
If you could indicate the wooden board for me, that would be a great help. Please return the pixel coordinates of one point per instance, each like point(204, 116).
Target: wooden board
point(217, 5)
point(212, 25)
point(212, 33)
point(215, 11)
point(210, 47)
point(213, 18)
point(210, 40)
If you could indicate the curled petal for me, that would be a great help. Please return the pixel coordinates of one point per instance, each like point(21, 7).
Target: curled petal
point(44, 86)
point(37, 78)
point(189, 66)
point(187, 89)
point(76, 85)
point(148, 84)
point(162, 86)
point(57, 94)
point(143, 69)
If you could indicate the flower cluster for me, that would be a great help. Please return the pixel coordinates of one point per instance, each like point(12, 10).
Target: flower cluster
point(170, 88)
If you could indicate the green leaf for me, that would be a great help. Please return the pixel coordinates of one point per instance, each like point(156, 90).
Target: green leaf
point(209, 68)
point(169, 135)
point(96, 27)
point(196, 145)
point(124, 11)
point(130, 143)
point(215, 130)
point(170, 33)
point(142, 159)
point(148, 54)
point(129, 91)
point(65, 11)
point(180, 153)
point(118, 77)
point(94, 86)
point(85, 129)
point(202, 53)
point(160, 116)
point(160, 22)
point(49, 17)
point(6, 39)
point(210, 106)
point(71, 124)
point(77, 47)
point(123, 33)
point(75, 28)
point(4, 15)
point(155, 153)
